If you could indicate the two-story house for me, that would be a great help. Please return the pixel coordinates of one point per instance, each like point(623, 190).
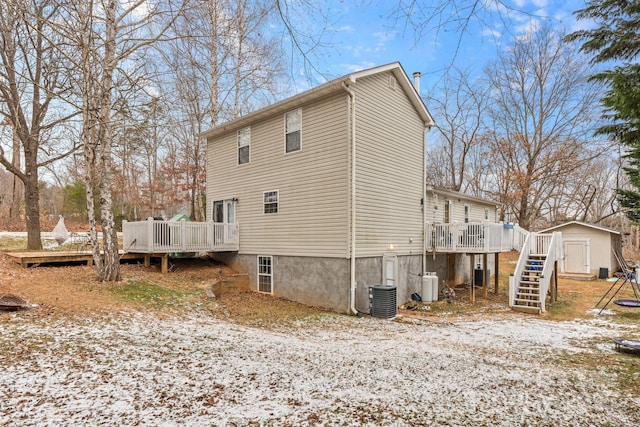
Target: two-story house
point(328, 189)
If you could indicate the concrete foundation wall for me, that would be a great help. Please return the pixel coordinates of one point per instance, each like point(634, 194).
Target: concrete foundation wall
point(318, 282)
point(462, 272)
point(325, 282)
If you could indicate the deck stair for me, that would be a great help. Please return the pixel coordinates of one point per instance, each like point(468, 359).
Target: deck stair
point(532, 279)
point(528, 296)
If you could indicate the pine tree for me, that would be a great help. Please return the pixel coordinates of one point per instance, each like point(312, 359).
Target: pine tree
point(617, 38)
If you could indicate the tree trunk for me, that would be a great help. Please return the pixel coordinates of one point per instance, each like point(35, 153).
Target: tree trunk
point(111, 260)
point(17, 193)
point(32, 204)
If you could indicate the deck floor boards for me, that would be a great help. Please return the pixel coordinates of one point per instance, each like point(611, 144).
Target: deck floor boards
point(27, 259)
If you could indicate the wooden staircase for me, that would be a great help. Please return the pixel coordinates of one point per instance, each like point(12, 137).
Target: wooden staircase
point(528, 298)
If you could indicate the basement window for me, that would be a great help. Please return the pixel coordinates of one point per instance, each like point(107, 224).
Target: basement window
point(265, 274)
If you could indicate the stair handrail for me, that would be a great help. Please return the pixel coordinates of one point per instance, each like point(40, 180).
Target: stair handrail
point(519, 237)
point(554, 253)
point(520, 266)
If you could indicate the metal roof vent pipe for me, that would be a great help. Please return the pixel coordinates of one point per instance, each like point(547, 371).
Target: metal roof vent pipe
point(416, 81)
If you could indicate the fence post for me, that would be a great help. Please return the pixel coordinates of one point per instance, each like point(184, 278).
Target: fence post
point(211, 235)
point(183, 235)
point(151, 235)
point(124, 235)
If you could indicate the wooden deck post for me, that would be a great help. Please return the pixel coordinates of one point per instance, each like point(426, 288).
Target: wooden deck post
point(497, 267)
point(472, 290)
point(486, 278)
point(554, 282)
point(164, 269)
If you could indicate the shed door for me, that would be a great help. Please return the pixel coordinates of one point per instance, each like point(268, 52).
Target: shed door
point(576, 256)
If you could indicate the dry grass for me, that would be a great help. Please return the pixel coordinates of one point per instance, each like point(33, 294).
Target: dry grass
point(75, 290)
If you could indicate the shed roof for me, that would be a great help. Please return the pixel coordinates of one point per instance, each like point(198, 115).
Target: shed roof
point(325, 90)
point(584, 224)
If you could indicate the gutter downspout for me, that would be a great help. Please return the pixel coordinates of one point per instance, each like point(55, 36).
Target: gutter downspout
point(427, 129)
point(352, 115)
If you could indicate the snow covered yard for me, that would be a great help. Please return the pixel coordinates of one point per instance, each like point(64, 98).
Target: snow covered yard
point(141, 369)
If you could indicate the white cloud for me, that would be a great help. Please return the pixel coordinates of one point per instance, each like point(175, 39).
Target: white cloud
point(492, 33)
point(352, 68)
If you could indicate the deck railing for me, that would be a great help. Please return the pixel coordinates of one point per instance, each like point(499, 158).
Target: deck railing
point(158, 236)
point(472, 237)
point(549, 245)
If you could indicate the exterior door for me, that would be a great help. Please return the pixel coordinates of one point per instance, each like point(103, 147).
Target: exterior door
point(576, 256)
point(224, 213)
point(390, 269)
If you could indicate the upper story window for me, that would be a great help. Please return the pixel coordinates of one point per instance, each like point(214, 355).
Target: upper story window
point(466, 213)
point(292, 131)
point(486, 214)
point(270, 201)
point(447, 211)
point(244, 145)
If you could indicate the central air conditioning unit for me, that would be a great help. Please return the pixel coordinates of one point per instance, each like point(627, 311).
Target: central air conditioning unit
point(382, 301)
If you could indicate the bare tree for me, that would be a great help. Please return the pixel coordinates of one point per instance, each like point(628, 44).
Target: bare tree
point(110, 38)
point(224, 64)
point(541, 108)
point(32, 79)
point(460, 109)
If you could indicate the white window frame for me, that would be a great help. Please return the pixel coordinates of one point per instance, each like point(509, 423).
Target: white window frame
point(467, 213)
point(265, 273)
point(448, 207)
point(265, 203)
point(393, 258)
point(486, 214)
point(244, 131)
point(287, 131)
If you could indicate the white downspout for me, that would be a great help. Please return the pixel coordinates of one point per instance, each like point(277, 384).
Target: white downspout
point(352, 115)
point(424, 201)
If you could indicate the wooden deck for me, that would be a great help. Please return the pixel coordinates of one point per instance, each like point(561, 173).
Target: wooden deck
point(34, 259)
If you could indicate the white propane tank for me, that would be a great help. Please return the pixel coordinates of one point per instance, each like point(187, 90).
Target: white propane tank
point(434, 288)
point(427, 288)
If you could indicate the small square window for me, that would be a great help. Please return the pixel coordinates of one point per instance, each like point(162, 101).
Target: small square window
point(244, 146)
point(293, 131)
point(270, 201)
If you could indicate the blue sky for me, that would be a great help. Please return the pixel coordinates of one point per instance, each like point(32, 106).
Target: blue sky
point(364, 34)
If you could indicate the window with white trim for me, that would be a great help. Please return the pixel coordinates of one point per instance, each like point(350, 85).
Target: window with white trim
point(486, 214)
point(265, 274)
point(447, 211)
point(466, 213)
point(293, 131)
point(244, 145)
point(270, 201)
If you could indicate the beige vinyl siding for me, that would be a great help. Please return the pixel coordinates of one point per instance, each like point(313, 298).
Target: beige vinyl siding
point(312, 218)
point(600, 245)
point(436, 202)
point(390, 138)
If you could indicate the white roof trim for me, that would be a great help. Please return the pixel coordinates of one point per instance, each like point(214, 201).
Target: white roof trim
point(324, 90)
point(584, 224)
point(452, 193)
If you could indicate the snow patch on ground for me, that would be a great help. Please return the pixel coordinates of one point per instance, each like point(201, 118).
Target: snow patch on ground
point(137, 369)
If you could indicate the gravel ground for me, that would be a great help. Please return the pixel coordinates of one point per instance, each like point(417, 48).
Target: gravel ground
point(139, 369)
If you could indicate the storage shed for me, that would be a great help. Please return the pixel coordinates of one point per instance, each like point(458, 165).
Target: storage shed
point(588, 248)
